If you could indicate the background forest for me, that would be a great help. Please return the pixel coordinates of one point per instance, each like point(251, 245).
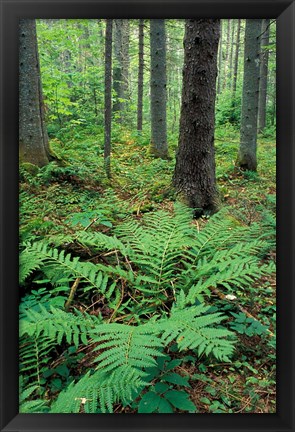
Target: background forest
point(147, 216)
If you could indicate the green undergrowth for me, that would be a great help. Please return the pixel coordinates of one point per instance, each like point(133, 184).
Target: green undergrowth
point(128, 304)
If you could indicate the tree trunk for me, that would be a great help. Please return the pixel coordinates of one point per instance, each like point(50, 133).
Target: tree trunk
point(248, 138)
point(236, 62)
point(158, 89)
point(33, 137)
point(231, 54)
point(121, 69)
point(108, 97)
point(273, 111)
point(226, 62)
point(140, 74)
point(219, 85)
point(263, 75)
point(194, 175)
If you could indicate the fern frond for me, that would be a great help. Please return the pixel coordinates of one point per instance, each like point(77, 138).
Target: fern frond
point(126, 346)
point(233, 275)
point(56, 324)
point(57, 264)
point(28, 263)
point(99, 241)
point(194, 328)
point(34, 356)
point(98, 392)
point(25, 404)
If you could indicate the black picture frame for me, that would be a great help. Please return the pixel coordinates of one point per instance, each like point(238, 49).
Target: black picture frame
point(11, 12)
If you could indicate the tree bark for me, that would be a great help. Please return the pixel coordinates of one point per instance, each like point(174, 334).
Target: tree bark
point(140, 74)
point(263, 75)
point(227, 54)
point(194, 175)
point(121, 69)
point(108, 97)
point(159, 146)
point(219, 85)
point(231, 54)
point(33, 137)
point(236, 62)
point(248, 137)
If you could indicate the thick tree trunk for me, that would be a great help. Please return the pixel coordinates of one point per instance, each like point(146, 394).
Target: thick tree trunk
point(263, 75)
point(158, 89)
point(33, 138)
point(121, 69)
point(108, 97)
point(140, 74)
point(194, 176)
point(248, 139)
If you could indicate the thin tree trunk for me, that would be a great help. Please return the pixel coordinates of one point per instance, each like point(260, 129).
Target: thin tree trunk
point(140, 74)
point(273, 111)
point(236, 62)
point(158, 89)
point(33, 137)
point(263, 75)
point(226, 62)
point(219, 86)
point(248, 139)
point(108, 97)
point(231, 54)
point(194, 175)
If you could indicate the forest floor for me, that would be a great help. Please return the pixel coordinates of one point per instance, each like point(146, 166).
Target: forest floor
point(75, 195)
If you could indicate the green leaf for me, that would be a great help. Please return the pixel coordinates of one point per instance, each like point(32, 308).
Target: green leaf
point(149, 403)
point(165, 407)
point(173, 363)
point(161, 387)
point(180, 400)
point(175, 378)
point(62, 370)
point(56, 384)
point(211, 390)
point(205, 400)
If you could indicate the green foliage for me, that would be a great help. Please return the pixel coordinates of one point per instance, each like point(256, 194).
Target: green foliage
point(166, 261)
point(246, 325)
point(227, 109)
point(124, 350)
point(165, 402)
point(164, 396)
point(30, 406)
point(129, 305)
point(97, 392)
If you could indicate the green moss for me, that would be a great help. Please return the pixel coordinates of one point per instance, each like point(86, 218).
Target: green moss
point(30, 168)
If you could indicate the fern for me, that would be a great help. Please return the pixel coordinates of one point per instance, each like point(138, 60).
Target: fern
point(59, 266)
point(163, 255)
point(194, 328)
point(163, 262)
point(28, 262)
point(125, 352)
point(126, 347)
point(98, 392)
point(34, 355)
point(30, 406)
point(55, 324)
